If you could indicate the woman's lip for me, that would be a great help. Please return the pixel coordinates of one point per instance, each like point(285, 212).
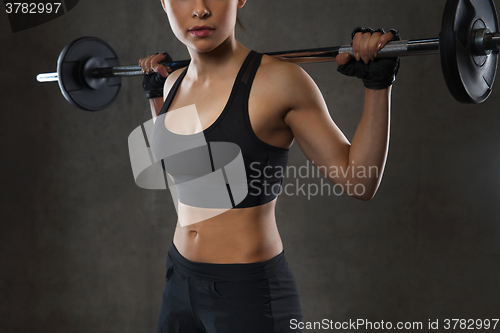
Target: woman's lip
point(201, 33)
point(201, 27)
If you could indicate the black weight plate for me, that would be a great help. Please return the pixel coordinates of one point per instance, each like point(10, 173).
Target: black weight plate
point(469, 77)
point(70, 65)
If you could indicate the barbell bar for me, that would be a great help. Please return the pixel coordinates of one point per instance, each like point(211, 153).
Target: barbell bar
point(89, 73)
point(392, 49)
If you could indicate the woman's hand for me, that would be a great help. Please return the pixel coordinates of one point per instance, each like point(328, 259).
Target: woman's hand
point(377, 74)
point(157, 74)
point(151, 63)
point(365, 46)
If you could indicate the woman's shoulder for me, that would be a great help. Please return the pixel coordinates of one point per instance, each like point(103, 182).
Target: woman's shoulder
point(172, 77)
point(276, 67)
point(283, 77)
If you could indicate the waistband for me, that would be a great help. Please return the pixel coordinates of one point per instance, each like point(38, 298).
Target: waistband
point(233, 272)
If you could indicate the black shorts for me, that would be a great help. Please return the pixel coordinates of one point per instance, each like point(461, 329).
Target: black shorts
point(259, 297)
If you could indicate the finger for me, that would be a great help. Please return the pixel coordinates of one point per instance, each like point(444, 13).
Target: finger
point(365, 53)
point(156, 66)
point(144, 64)
point(373, 44)
point(162, 70)
point(156, 60)
point(343, 58)
point(150, 63)
point(384, 40)
point(159, 57)
point(355, 45)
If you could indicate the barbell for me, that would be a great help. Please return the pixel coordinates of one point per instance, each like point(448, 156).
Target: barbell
point(89, 73)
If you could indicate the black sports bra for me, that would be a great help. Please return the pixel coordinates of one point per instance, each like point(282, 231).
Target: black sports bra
point(226, 165)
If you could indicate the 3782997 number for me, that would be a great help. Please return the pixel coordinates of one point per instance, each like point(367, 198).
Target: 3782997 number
point(470, 324)
point(31, 8)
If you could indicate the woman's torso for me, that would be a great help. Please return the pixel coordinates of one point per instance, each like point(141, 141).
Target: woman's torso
point(240, 235)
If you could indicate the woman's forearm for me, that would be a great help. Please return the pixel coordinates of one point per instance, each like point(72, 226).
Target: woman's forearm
point(155, 104)
point(370, 144)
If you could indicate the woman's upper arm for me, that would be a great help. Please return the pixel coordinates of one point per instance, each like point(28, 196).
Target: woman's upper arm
point(317, 135)
point(157, 105)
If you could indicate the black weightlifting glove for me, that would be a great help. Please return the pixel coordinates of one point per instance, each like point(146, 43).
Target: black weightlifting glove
point(153, 82)
point(377, 74)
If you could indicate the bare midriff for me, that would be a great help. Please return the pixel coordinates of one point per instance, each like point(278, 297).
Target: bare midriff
point(242, 235)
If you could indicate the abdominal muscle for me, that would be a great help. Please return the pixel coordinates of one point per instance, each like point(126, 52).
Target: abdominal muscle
point(243, 235)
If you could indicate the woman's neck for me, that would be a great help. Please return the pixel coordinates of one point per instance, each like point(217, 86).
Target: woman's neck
point(225, 57)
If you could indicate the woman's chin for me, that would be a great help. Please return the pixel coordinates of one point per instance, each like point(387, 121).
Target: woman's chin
point(203, 48)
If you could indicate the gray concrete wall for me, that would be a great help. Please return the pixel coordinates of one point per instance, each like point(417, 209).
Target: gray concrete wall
point(83, 248)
